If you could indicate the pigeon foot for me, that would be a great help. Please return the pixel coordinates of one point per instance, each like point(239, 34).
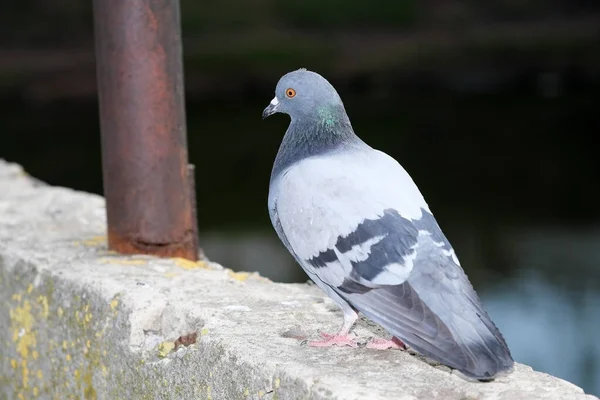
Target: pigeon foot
point(384, 344)
point(333, 340)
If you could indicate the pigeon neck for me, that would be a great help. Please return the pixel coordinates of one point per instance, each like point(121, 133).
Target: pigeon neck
point(327, 131)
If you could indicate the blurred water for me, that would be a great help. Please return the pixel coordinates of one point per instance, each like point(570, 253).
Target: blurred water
point(547, 308)
point(550, 328)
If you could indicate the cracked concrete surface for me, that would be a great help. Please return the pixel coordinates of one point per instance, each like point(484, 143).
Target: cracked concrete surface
point(80, 322)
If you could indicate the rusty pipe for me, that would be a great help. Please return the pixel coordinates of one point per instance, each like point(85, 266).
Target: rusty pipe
point(148, 188)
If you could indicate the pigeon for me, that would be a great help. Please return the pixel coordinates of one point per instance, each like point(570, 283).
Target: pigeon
point(357, 224)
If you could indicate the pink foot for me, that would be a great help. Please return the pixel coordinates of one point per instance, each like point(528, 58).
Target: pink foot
point(384, 344)
point(333, 340)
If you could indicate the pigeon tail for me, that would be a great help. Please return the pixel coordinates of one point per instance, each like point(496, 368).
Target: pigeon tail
point(469, 343)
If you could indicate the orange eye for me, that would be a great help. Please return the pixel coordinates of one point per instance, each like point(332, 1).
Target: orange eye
point(290, 93)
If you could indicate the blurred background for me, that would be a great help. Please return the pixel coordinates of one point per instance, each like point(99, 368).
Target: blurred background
point(493, 108)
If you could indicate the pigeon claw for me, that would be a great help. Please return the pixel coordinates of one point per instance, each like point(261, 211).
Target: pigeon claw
point(333, 340)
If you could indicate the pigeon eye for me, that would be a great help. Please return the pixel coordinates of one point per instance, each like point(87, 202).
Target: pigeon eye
point(290, 93)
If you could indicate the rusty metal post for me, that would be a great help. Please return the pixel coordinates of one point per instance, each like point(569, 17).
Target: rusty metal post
point(147, 182)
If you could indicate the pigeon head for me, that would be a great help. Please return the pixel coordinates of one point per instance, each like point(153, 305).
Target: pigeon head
point(306, 97)
point(319, 123)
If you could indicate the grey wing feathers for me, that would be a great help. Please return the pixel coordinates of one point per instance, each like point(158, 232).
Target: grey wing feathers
point(437, 312)
point(471, 344)
point(430, 304)
point(400, 310)
point(377, 250)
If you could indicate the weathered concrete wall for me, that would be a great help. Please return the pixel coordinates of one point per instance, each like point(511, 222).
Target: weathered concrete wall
point(80, 322)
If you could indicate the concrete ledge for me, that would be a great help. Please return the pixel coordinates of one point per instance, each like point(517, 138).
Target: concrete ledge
point(80, 322)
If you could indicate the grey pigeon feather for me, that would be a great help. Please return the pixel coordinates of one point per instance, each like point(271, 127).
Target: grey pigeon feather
point(355, 221)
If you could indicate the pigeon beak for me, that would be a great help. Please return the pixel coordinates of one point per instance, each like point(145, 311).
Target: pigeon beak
point(271, 108)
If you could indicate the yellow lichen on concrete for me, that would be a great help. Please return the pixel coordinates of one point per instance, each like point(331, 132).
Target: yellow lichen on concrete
point(244, 275)
point(72, 363)
point(25, 374)
point(43, 300)
point(189, 265)
point(31, 312)
point(95, 241)
point(22, 322)
point(239, 276)
point(165, 348)
point(89, 391)
point(24, 314)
